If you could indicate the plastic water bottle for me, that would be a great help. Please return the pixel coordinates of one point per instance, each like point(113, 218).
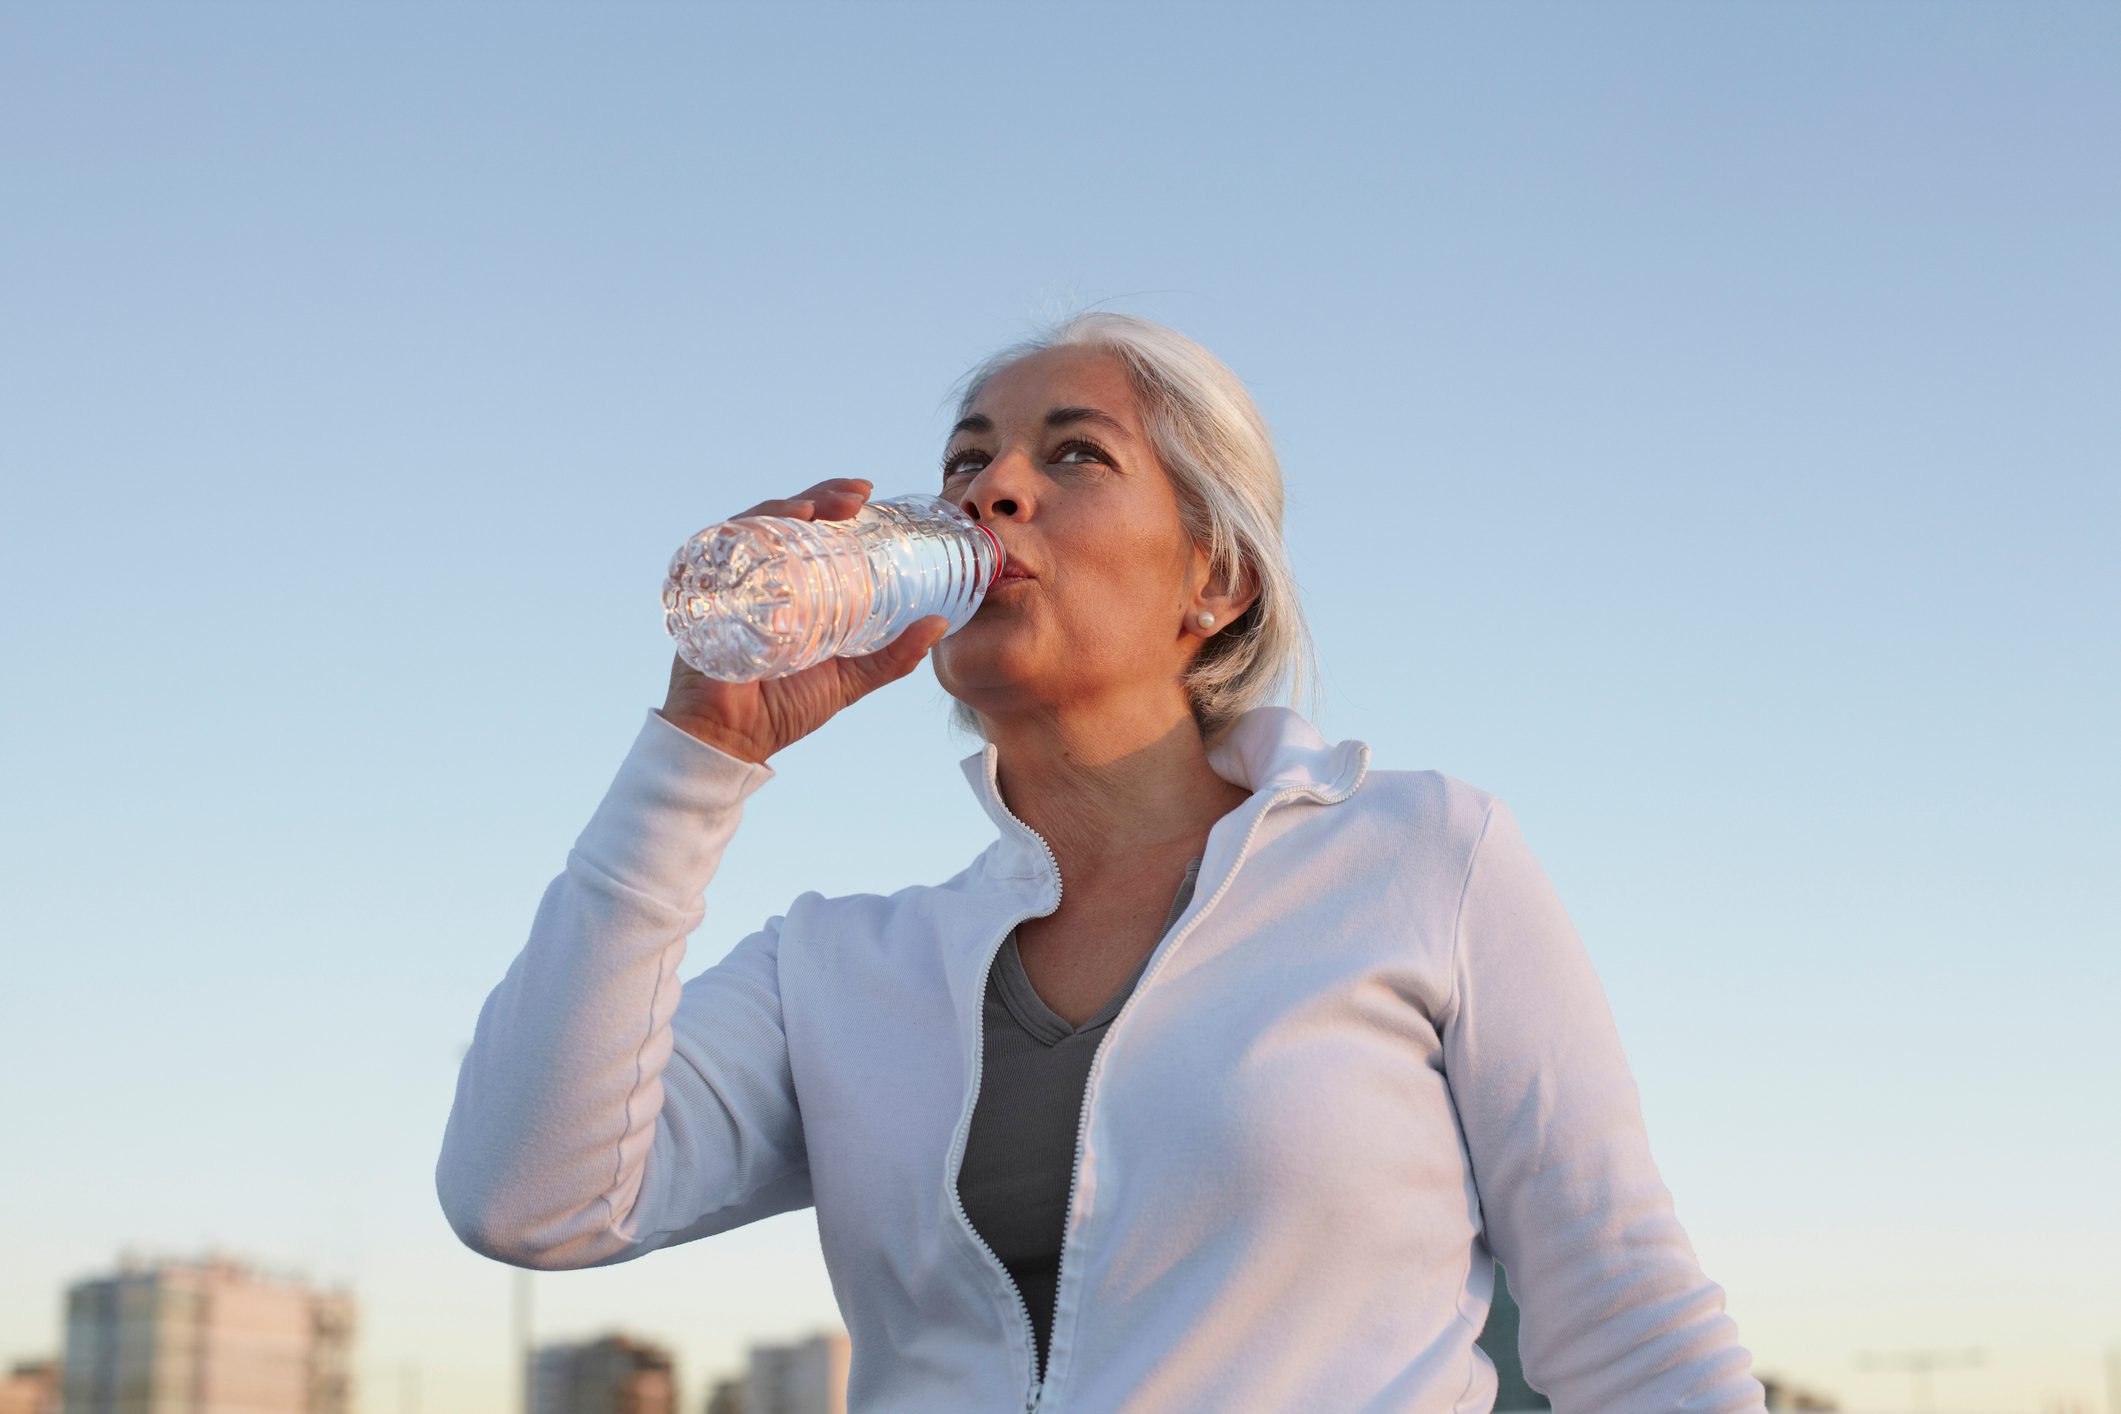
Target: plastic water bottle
point(765, 596)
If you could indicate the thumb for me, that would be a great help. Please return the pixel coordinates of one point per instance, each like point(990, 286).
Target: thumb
point(895, 659)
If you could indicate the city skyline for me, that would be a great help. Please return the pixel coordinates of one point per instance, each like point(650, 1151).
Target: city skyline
point(129, 1349)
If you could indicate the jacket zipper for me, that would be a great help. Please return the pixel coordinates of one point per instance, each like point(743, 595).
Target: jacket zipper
point(1097, 1064)
point(957, 1158)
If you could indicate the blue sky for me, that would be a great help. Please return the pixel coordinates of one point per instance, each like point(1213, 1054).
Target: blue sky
point(1699, 427)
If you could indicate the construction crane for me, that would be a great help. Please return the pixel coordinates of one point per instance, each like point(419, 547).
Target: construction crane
point(1923, 1364)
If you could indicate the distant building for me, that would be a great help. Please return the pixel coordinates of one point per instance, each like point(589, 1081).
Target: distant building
point(182, 1337)
point(809, 1377)
point(727, 1397)
point(614, 1375)
point(31, 1387)
point(1781, 1395)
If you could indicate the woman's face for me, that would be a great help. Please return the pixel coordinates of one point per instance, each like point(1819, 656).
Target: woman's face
point(1054, 458)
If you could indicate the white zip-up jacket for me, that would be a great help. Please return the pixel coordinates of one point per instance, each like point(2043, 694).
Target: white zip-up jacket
point(1369, 1060)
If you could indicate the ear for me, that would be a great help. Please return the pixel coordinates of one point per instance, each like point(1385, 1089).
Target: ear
point(1222, 598)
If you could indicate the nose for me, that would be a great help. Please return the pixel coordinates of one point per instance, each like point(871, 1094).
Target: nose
point(1000, 490)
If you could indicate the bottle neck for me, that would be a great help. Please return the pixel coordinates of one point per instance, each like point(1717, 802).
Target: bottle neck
point(1001, 556)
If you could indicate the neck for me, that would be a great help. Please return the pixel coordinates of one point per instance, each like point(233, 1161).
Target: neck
point(1114, 792)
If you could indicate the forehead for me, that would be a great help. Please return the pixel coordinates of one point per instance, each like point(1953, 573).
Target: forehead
point(1025, 390)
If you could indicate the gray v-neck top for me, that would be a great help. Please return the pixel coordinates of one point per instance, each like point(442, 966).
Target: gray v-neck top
point(1020, 1153)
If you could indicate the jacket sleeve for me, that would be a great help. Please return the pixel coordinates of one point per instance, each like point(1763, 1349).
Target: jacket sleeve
point(603, 1111)
point(1616, 1316)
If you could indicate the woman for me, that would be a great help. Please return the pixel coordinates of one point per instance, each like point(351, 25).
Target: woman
point(1135, 1145)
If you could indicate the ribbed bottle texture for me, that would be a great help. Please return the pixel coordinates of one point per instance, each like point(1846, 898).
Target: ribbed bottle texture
point(766, 596)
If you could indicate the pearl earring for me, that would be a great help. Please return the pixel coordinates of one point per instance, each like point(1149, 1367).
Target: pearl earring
point(1206, 620)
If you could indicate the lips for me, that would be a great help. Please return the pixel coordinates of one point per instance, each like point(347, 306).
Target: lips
point(1012, 568)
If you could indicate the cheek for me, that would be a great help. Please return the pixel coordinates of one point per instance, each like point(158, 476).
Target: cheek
point(1125, 598)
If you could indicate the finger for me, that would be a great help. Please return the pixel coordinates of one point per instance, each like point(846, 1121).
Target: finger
point(839, 500)
point(844, 495)
point(895, 659)
point(795, 509)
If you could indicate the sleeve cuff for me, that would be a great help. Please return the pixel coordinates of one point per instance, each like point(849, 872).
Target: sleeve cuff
point(669, 812)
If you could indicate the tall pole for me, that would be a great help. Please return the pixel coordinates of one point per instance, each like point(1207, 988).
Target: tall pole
point(523, 1335)
point(1923, 1364)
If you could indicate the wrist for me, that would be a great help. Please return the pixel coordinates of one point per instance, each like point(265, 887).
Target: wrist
point(729, 746)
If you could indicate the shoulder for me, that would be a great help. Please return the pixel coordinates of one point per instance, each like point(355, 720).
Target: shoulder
point(1421, 829)
point(882, 910)
point(1435, 808)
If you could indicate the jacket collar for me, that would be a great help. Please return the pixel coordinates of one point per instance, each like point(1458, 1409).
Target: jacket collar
point(1268, 749)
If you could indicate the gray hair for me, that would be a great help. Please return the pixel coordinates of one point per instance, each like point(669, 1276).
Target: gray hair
point(1215, 446)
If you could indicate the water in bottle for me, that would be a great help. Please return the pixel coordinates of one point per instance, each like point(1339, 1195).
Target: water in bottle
point(765, 596)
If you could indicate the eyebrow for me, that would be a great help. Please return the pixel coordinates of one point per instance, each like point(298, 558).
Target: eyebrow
point(1059, 417)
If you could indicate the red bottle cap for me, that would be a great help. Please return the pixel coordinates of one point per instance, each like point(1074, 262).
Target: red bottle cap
point(1001, 556)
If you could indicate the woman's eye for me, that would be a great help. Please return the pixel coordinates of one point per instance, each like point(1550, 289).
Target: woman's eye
point(962, 463)
point(1095, 452)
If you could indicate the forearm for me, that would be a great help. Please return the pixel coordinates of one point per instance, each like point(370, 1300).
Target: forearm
point(558, 1098)
point(1616, 1314)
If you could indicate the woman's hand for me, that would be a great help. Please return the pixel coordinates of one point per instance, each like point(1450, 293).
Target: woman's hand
point(752, 720)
